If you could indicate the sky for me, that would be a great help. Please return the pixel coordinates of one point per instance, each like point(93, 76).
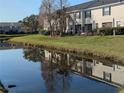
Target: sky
point(15, 10)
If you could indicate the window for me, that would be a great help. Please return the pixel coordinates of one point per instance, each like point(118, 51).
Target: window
point(88, 14)
point(106, 11)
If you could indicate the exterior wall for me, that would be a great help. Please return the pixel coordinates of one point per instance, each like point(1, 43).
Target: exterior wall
point(116, 72)
point(116, 13)
point(71, 22)
point(75, 21)
point(46, 24)
point(116, 17)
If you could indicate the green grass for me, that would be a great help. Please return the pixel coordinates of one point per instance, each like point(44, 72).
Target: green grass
point(8, 36)
point(121, 91)
point(108, 46)
point(11, 35)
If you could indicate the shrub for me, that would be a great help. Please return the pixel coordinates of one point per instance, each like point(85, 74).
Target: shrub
point(119, 30)
point(44, 32)
point(106, 31)
point(109, 31)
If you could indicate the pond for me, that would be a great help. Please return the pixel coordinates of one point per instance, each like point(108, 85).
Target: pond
point(37, 70)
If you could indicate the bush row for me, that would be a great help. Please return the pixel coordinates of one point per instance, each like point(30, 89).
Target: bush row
point(100, 31)
point(109, 31)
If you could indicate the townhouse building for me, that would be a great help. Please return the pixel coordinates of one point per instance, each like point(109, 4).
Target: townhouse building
point(92, 15)
point(95, 14)
point(10, 27)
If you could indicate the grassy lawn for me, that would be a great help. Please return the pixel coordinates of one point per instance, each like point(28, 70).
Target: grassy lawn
point(6, 36)
point(11, 35)
point(121, 91)
point(99, 45)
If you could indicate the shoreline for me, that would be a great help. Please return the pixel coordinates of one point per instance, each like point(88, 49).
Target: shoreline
point(89, 52)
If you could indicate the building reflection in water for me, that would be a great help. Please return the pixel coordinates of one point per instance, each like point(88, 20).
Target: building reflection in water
point(55, 75)
point(4, 45)
point(56, 68)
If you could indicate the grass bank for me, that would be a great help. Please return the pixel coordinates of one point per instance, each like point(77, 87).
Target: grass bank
point(121, 91)
point(107, 47)
point(8, 36)
point(11, 35)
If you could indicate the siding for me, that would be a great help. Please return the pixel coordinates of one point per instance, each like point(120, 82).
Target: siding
point(116, 13)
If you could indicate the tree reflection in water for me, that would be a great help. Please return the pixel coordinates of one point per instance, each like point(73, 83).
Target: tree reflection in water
point(33, 54)
point(55, 70)
point(2, 88)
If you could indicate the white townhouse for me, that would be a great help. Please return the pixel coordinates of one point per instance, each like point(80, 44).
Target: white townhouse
point(95, 14)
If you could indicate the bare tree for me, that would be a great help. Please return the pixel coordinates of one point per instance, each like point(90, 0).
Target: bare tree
point(40, 19)
point(55, 15)
point(62, 4)
point(47, 9)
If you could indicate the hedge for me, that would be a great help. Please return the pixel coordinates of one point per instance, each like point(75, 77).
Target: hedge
point(109, 31)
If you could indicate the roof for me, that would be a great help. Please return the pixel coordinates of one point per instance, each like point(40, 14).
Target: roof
point(93, 3)
point(9, 24)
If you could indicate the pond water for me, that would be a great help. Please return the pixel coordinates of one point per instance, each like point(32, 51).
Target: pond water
point(34, 70)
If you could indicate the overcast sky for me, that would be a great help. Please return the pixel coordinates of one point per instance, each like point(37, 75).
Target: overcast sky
point(15, 10)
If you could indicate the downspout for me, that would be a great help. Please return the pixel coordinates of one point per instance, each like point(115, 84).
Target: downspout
point(114, 31)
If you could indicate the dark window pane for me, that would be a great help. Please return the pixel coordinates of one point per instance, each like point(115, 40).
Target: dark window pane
point(106, 11)
point(88, 14)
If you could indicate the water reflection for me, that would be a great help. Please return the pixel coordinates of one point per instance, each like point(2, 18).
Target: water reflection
point(56, 75)
point(57, 66)
point(35, 70)
point(4, 45)
point(2, 88)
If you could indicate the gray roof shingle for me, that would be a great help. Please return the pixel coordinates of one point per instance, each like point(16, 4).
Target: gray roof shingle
point(93, 3)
